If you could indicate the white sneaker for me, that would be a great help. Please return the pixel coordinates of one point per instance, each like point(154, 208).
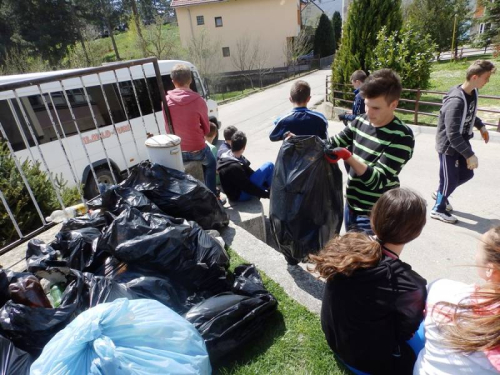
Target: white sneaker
point(444, 216)
point(449, 207)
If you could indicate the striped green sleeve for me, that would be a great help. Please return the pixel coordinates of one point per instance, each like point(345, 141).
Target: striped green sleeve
point(384, 173)
point(344, 138)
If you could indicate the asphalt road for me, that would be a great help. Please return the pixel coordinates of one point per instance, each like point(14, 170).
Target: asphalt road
point(443, 250)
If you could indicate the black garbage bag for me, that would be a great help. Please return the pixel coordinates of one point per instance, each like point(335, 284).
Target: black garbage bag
point(13, 361)
point(247, 281)
point(306, 208)
point(4, 287)
point(30, 328)
point(75, 249)
point(117, 198)
point(228, 321)
point(179, 249)
point(93, 220)
point(178, 194)
point(134, 285)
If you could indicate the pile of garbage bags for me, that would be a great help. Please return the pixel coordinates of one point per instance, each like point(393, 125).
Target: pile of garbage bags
point(306, 208)
point(141, 242)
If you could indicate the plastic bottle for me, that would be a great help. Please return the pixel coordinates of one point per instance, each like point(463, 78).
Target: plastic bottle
point(28, 291)
point(56, 292)
point(59, 216)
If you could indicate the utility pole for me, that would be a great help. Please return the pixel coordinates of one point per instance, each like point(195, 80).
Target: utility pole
point(452, 52)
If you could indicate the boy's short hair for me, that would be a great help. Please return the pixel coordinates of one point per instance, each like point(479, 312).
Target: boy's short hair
point(229, 132)
point(358, 75)
point(479, 67)
point(213, 130)
point(383, 82)
point(181, 74)
point(238, 141)
point(300, 92)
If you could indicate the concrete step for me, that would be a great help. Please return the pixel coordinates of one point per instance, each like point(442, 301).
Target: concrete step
point(297, 282)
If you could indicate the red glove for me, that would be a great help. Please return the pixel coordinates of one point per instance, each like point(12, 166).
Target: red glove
point(333, 156)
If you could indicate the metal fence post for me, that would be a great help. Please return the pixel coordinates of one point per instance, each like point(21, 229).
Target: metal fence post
point(417, 105)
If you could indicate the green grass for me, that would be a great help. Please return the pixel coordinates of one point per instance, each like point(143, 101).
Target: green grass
point(292, 342)
point(126, 43)
point(232, 94)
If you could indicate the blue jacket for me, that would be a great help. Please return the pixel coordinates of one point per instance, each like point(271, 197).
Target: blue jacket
point(300, 121)
point(358, 107)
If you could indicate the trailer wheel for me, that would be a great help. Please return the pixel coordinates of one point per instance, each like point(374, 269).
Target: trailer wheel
point(104, 176)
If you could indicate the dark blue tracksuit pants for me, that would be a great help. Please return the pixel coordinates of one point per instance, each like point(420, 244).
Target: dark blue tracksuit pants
point(453, 172)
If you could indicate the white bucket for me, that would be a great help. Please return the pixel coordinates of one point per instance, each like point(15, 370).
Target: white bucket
point(165, 149)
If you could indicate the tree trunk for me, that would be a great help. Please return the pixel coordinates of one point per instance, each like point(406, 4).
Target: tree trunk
point(110, 28)
point(84, 47)
point(137, 21)
point(113, 41)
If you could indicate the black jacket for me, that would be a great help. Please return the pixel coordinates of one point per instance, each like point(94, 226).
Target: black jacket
point(367, 315)
point(449, 135)
point(235, 175)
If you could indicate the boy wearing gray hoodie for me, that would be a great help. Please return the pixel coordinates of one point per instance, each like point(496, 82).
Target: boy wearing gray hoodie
point(454, 131)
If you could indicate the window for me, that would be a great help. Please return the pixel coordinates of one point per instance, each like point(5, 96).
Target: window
point(481, 28)
point(200, 20)
point(218, 21)
point(225, 52)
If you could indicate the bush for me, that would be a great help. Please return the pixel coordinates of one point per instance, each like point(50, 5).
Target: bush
point(409, 53)
point(19, 201)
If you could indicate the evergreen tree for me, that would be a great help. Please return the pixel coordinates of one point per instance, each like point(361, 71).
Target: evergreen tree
point(359, 35)
point(337, 28)
point(491, 19)
point(18, 199)
point(324, 41)
point(409, 53)
point(437, 18)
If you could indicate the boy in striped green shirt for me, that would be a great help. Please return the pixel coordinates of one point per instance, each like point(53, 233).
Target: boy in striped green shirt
point(381, 146)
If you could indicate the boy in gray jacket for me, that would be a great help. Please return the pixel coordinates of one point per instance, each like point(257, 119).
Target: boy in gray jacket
point(456, 121)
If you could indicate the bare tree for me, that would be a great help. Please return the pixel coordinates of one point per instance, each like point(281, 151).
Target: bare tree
point(91, 50)
point(244, 57)
point(261, 61)
point(296, 47)
point(161, 42)
point(205, 54)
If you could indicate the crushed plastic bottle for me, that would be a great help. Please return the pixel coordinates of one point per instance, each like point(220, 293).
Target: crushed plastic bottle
point(58, 216)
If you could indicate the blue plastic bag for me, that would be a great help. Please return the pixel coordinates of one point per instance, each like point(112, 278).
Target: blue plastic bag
point(140, 337)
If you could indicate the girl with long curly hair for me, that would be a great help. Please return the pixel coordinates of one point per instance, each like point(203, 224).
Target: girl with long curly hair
point(374, 302)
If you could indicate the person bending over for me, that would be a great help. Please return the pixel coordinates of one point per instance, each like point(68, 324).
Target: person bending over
point(238, 180)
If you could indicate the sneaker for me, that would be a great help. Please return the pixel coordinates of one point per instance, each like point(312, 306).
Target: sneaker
point(444, 216)
point(449, 207)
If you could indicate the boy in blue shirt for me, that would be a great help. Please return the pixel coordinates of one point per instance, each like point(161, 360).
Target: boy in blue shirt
point(358, 107)
point(300, 121)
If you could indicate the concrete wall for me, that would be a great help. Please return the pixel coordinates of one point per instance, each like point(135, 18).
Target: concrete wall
point(266, 22)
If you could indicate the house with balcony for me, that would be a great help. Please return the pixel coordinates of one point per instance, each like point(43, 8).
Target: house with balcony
point(270, 24)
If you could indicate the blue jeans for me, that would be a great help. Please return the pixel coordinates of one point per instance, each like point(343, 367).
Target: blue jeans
point(262, 178)
point(208, 161)
point(355, 222)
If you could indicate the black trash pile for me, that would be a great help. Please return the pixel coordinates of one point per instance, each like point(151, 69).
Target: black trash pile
point(145, 239)
point(306, 208)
